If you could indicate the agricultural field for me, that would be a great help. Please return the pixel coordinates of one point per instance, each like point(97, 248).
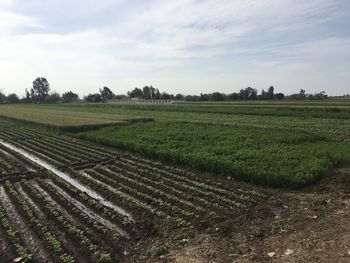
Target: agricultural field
point(175, 189)
point(70, 201)
point(63, 120)
point(288, 145)
point(263, 156)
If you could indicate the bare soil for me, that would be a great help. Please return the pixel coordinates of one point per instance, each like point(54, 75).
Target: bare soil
point(308, 225)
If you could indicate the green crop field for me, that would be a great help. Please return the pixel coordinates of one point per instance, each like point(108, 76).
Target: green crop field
point(63, 120)
point(285, 145)
point(109, 185)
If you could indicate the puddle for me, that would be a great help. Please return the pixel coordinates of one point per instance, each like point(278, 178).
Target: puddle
point(67, 178)
point(86, 210)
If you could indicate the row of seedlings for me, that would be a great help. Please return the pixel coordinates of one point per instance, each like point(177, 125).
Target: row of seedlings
point(79, 236)
point(121, 221)
point(183, 174)
point(12, 235)
point(86, 216)
point(180, 215)
point(42, 230)
point(198, 190)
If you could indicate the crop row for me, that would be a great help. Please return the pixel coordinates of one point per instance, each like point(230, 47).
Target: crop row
point(130, 160)
point(184, 181)
point(132, 182)
point(13, 236)
point(85, 148)
point(95, 205)
point(41, 228)
point(12, 162)
point(63, 152)
point(73, 231)
point(144, 193)
point(129, 199)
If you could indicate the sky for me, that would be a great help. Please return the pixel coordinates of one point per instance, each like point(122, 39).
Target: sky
point(178, 46)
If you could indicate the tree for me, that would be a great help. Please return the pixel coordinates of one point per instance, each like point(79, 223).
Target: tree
point(69, 97)
point(318, 96)
point(106, 94)
point(270, 93)
point(264, 95)
point(234, 96)
point(40, 90)
point(54, 97)
point(135, 93)
point(279, 96)
point(12, 98)
point(150, 93)
point(179, 96)
point(27, 98)
point(192, 98)
point(204, 97)
point(302, 95)
point(217, 96)
point(248, 94)
point(93, 98)
point(2, 97)
point(166, 96)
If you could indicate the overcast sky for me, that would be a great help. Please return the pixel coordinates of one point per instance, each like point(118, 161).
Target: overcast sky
point(178, 46)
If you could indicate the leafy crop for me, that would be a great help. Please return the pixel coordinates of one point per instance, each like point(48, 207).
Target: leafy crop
point(265, 156)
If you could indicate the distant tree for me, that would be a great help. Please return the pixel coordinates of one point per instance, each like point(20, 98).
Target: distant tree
point(54, 97)
point(12, 98)
point(248, 94)
point(2, 97)
point(270, 93)
point(188, 98)
point(93, 98)
point(234, 96)
point(302, 95)
point(279, 96)
point(121, 96)
point(135, 93)
point(27, 97)
point(166, 96)
point(150, 93)
point(40, 90)
point(299, 96)
point(264, 95)
point(106, 94)
point(318, 96)
point(192, 98)
point(69, 97)
point(179, 96)
point(217, 96)
point(204, 97)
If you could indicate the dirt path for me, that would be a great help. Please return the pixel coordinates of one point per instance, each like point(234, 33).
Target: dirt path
point(310, 225)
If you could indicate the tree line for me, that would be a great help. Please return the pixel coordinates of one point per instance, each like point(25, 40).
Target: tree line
point(40, 93)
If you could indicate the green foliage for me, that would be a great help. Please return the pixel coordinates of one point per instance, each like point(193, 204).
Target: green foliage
point(69, 97)
point(265, 156)
point(40, 90)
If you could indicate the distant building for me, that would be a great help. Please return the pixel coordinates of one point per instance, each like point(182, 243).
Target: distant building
point(140, 101)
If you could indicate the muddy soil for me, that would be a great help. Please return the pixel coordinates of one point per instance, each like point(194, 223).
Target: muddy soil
point(34, 244)
point(308, 225)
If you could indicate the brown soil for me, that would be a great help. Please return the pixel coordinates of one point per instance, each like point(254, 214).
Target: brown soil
point(309, 225)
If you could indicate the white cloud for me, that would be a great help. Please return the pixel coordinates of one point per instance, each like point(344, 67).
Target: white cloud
point(169, 42)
